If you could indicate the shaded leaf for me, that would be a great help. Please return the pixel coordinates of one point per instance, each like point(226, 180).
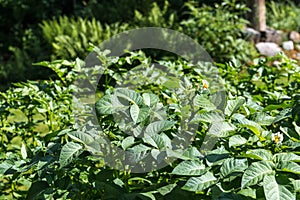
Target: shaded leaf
point(68, 152)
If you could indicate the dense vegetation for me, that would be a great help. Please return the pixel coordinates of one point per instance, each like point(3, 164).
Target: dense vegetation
point(255, 130)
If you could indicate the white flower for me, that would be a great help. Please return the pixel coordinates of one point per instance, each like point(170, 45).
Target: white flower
point(277, 137)
point(205, 84)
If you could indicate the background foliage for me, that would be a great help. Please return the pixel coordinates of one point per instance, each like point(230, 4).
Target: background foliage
point(44, 156)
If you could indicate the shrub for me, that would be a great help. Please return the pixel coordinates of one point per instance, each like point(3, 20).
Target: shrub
point(255, 156)
point(70, 37)
point(219, 30)
point(283, 16)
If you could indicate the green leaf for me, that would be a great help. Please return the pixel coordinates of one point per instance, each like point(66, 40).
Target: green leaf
point(296, 184)
point(217, 156)
point(236, 140)
point(253, 126)
point(263, 119)
point(143, 114)
point(221, 129)
point(5, 165)
point(150, 99)
point(36, 189)
point(190, 168)
point(289, 166)
point(259, 154)
point(104, 105)
point(233, 105)
point(157, 127)
point(155, 140)
point(129, 95)
point(148, 195)
point(23, 151)
point(285, 113)
point(80, 136)
point(233, 165)
point(274, 191)
point(211, 116)
point(248, 192)
point(127, 142)
point(166, 189)
point(285, 157)
point(68, 152)
point(204, 102)
point(134, 112)
point(198, 184)
point(256, 172)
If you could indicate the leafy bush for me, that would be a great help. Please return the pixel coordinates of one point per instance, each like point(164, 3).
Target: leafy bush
point(283, 16)
point(156, 17)
point(70, 37)
point(255, 156)
point(219, 30)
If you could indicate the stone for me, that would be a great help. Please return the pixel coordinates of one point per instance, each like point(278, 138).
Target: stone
point(251, 34)
point(271, 35)
point(294, 36)
point(288, 45)
point(268, 48)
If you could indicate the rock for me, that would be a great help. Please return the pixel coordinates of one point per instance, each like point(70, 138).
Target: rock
point(288, 45)
point(294, 36)
point(251, 34)
point(268, 48)
point(271, 35)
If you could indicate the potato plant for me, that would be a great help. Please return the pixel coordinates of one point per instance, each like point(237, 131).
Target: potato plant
point(255, 133)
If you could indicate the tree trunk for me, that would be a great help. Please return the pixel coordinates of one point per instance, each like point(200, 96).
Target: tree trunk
point(257, 16)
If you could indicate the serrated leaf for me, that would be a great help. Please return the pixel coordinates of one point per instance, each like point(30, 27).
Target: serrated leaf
point(233, 165)
point(233, 105)
point(274, 191)
point(198, 184)
point(256, 172)
point(236, 140)
point(68, 152)
point(189, 168)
